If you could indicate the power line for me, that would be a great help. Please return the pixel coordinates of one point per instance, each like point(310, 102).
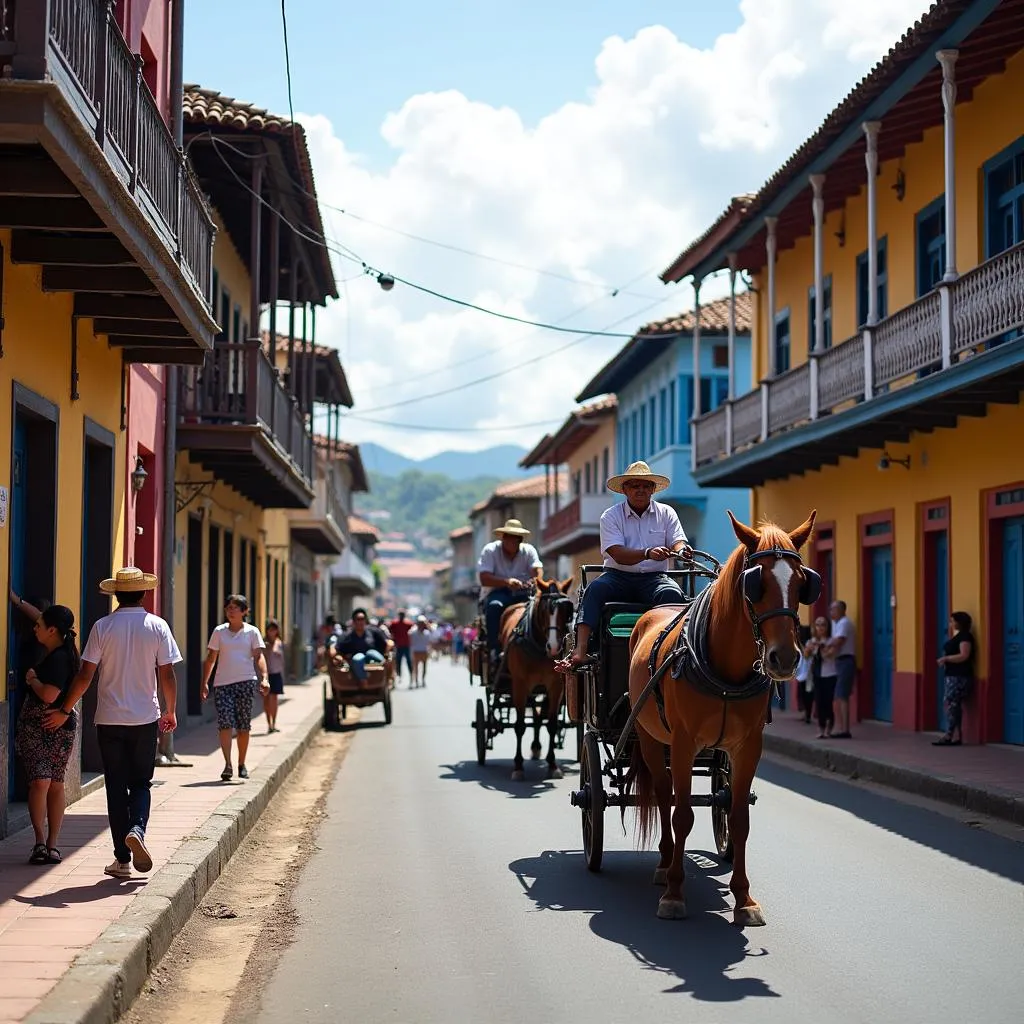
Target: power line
point(447, 430)
point(287, 61)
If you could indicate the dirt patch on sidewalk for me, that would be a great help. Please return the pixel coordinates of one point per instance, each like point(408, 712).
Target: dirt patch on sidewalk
point(217, 966)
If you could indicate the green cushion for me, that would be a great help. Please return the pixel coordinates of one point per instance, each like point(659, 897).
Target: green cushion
point(621, 624)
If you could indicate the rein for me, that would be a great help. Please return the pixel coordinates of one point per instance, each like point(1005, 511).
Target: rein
point(524, 635)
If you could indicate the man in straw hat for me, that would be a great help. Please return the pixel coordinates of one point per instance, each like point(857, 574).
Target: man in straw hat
point(507, 566)
point(137, 652)
point(638, 537)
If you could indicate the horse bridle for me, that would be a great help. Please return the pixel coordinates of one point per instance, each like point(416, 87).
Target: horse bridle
point(555, 600)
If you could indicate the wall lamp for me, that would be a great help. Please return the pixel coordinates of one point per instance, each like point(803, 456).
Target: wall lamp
point(900, 187)
point(887, 460)
point(139, 475)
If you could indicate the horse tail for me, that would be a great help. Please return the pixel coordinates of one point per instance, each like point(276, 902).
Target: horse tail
point(639, 779)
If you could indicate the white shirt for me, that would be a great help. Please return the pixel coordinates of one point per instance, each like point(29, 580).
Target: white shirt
point(494, 560)
point(128, 646)
point(235, 653)
point(658, 527)
point(419, 641)
point(844, 628)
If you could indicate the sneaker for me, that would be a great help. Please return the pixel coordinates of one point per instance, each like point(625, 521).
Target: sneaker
point(118, 870)
point(243, 772)
point(141, 859)
point(225, 775)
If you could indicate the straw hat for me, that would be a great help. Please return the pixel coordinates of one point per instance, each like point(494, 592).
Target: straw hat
point(127, 580)
point(638, 471)
point(514, 527)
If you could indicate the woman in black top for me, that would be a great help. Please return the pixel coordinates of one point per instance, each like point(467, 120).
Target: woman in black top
point(958, 661)
point(45, 753)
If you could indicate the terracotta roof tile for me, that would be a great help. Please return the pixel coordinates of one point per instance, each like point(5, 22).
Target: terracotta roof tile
point(331, 363)
point(460, 532)
point(713, 317)
point(348, 453)
point(361, 528)
point(554, 449)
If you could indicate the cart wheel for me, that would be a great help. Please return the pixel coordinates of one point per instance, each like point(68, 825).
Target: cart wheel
point(480, 724)
point(593, 802)
point(579, 742)
point(721, 779)
point(387, 707)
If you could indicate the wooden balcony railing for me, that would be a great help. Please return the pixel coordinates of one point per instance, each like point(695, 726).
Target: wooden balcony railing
point(930, 335)
point(562, 521)
point(77, 44)
point(237, 385)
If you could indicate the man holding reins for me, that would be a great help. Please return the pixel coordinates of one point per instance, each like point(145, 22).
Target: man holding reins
point(638, 537)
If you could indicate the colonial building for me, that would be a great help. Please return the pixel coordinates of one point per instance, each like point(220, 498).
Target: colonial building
point(105, 248)
point(888, 259)
point(352, 575)
point(465, 587)
point(670, 371)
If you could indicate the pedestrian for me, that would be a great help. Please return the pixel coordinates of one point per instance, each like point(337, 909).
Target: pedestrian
point(236, 649)
point(137, 652)
point(419, 644)
point(44, 752)
point(458, 642)
point(958, 662)
point(842, 647)
point(275, 672)
point(823, 674)
point(362, 644)
point(400, 628)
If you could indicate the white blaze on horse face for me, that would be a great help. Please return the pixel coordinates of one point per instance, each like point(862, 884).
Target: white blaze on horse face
point(553, 645)
point(783, 573)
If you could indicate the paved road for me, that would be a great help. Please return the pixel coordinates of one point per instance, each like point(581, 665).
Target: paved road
point(444, 892)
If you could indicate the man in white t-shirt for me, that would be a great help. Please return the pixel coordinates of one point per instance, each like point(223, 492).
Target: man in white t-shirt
point(136, 652)
point(842, 646)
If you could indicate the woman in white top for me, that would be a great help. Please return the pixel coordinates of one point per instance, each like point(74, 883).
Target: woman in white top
point(419, 646)
point(823, 667)
point(236, 649)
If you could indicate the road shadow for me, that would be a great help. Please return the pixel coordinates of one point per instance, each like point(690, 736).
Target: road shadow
point(974, 846)
point(496, 775)
point(698, 956)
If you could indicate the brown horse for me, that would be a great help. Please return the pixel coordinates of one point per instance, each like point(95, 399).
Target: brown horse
point(530, 649)
point(748, 618)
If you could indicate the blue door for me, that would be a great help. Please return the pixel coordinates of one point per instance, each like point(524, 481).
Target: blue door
point(941, 611)
point(17, 524)
point(1013, 629)
point(881, 631)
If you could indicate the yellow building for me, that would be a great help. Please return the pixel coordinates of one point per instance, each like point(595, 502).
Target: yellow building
point(888, 260)
point(585, 444)
point(105, 244)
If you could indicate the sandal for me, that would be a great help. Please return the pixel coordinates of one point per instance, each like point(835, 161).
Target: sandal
point(39, 854)
point(53, 855)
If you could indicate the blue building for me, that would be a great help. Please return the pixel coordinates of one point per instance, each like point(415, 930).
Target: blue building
point(653, 379)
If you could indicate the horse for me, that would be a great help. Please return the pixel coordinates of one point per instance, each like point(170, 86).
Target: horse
point(734, 643)
point(531, 637)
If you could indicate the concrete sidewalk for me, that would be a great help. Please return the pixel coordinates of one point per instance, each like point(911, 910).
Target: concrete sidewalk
point(76, 945)
point(986, 779)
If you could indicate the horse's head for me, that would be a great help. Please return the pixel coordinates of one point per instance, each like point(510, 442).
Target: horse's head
point(553, 612)
point(773, 582)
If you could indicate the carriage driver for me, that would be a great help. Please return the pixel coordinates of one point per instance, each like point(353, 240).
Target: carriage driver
point(507, 567)
point(638, 536)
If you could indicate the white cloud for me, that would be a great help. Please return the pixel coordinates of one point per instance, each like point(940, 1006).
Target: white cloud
point(600, 190)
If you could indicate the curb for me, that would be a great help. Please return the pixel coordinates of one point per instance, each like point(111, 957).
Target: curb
point(106, 978)
point(992, 803)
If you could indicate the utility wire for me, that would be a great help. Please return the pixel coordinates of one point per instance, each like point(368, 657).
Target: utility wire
point(461, 430)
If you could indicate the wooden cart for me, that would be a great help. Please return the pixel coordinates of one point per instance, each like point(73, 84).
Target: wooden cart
point(343, 690)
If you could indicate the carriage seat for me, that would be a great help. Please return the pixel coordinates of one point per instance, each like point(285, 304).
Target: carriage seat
point(619, 617)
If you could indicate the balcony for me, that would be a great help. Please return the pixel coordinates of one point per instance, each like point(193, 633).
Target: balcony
point(319, 528)
point(239, 423)
point(947, 355)
point(351, 574)
point(575, 526)
point(93, 186)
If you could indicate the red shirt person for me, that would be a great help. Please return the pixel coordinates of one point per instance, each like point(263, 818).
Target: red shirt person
point(400, 628)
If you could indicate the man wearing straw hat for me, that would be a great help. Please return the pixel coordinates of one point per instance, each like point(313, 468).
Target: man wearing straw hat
point(507, 566)
point(638, 537)
point(136, 651)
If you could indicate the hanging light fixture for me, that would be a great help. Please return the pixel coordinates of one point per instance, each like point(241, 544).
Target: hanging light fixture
point(139, 475)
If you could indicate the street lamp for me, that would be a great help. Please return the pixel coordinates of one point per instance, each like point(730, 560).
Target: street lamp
point(386, 281)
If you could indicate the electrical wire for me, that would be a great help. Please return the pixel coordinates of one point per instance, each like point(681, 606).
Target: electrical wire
point(460, 430)
point(287, 60)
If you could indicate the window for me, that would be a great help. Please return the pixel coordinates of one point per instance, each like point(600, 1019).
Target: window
point(642, 440)
point(587, 479)
point(685, 407)
point(236, 324)
point(883, 283)
point(652, 436)
point(225, 315)
point(673, 434)
point(713, 392)
point(576, 484)
point(1004, 200)
point(931, 245)
point(604, 464)
point(634, 441)
point(662, 418)
point(812, 309)
point(782, 341)
point(597, 486)
point(720, 357)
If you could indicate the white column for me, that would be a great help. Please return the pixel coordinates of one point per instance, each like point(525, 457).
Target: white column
point(871, 161)
point(696, 371)
point(770, 224)
point(947, 58)
point(818, 344)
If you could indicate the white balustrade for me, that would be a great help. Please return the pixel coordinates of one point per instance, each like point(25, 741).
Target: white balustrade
point(908, 341)
point(989, 300)
point(841, 373)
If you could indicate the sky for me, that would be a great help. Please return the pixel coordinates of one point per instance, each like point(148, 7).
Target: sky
point(575, 146)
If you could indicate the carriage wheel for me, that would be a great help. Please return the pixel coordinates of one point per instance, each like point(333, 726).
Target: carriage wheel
point(721, 780)
point(579, 742)
point(593, 802)
point(387, 706)
point(480, 724)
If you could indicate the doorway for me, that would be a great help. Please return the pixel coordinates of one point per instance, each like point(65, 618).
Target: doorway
point(214, 600)
point(881, 631)
point(1013, 629)
point(195, 640)
point(33, 547)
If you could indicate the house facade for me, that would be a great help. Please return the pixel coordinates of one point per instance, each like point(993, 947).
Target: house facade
point(663, 375)
point(353, 577)
point(464, 588)
point(888, 258)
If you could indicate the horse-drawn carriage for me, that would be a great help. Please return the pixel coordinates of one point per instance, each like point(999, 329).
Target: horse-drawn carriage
point(344, 688)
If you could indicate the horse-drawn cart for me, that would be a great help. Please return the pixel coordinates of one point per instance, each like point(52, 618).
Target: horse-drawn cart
point(344, 689)
point(597, 697)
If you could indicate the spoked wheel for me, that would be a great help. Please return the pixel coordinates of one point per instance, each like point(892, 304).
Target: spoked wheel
point(721, 788)
point(480, 724)
point(593, 801)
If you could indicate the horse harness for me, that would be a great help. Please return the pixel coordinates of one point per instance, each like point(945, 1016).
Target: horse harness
point(522, 635)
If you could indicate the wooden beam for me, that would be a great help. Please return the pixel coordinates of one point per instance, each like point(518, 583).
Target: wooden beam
point(141, 341)
point(30, 176)
point(54, 214)
point(69, 251)
point(174, 356)
point(124, 307)
point(118, 280)
point(139, 328)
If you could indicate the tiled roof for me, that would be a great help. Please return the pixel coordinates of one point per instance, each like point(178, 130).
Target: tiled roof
point(361, 528)
point(648, 343)
point(525, 489)
point(348, 453)
point(331, 362)
point(213, 110)
point(554, 449)
point(460, 532)
point(397, 569)
point(734, 215)
point(394, 547)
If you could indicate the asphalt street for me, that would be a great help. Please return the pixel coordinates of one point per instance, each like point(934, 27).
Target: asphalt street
point(443, 891)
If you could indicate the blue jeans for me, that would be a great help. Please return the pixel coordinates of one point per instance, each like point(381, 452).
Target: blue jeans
point(402, 654)
point(128, 755)
point(358, 663)
point(650, 588)
point(496, 602)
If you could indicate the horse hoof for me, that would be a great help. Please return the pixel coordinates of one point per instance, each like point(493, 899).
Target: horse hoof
point(518, 775)
point(672, 910)
point(748, 917)
point(660, 876)
point(555, 772)
point(535, 753)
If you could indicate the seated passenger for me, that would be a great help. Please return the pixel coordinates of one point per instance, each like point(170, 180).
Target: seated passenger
point(361, 644)
point(638, 536)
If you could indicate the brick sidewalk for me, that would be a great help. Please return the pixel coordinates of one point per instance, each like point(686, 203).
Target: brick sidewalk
point(49, 914)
